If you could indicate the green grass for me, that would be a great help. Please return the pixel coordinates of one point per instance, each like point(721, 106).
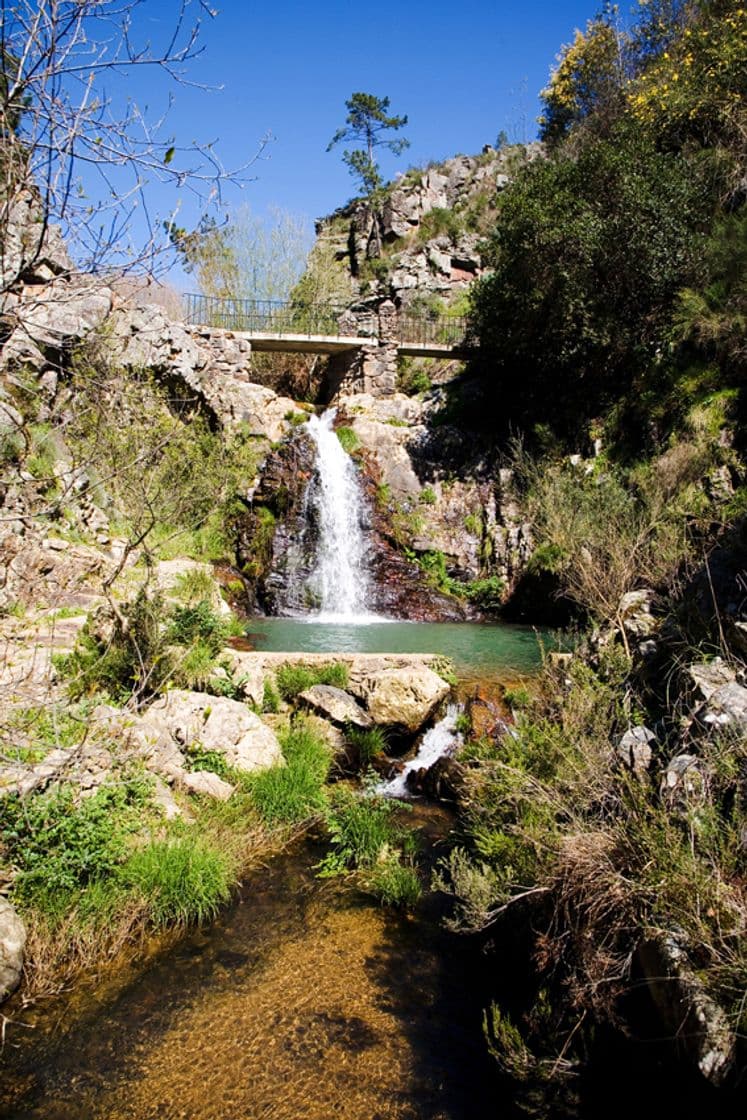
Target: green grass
point(394, 882)
point(295, 792)
point(183, 878)
point(348, 440)
point(364, 840)
point(270, 697)
point(65, 612)
point(293, 679)
point(367, 742)
point(360, 829)
point(61, 846)
point(194, 586)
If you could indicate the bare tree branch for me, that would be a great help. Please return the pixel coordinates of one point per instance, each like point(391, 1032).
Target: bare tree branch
point(86, 155)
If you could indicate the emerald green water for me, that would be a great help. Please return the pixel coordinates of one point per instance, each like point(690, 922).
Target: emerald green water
point(492, 650)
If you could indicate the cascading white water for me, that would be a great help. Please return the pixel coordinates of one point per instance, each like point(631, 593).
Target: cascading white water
point(340, 579)
point(441, 739)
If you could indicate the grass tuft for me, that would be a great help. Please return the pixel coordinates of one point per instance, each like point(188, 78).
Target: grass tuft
point(295, 792)
point(293, 679)
point(183, 879)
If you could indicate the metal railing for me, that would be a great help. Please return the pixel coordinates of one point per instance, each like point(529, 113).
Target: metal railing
point(265, 316)
point(422, 329)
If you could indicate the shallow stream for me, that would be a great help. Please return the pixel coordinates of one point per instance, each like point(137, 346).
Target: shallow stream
point(304, 1000)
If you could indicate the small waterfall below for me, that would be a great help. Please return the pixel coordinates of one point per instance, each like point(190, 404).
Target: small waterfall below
point(339, 582)
point(440, 740)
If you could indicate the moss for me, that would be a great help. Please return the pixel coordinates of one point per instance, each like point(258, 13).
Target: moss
point(348, 439)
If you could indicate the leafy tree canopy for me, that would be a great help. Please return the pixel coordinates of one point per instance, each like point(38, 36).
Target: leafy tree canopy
point(368, 123)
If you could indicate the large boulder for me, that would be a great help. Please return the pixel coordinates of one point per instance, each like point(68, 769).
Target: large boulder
point(403, 699)
point(687, 1011)
point(181, 719)
point(12, 942)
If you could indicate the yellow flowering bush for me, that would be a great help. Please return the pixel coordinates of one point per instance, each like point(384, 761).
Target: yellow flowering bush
point(586, 79)
point(697, 88)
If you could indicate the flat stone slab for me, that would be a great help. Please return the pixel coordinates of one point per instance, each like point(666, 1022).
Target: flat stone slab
point(335, 704)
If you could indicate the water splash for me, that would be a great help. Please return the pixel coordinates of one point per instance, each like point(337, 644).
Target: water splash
point(440, 740)
point(340, 581)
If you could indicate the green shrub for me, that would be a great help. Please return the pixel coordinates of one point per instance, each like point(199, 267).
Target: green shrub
point(182, 486)
point(292, 679)
point(360, 830)
point(440, 222)
point(393, 882)
point(195, 668)
point(487, 593)
point(383, 494)
point(198, 758)
point(295, 792)
point(62, 845)
point(412, 379)
point(183, 879)
point(41, 461)
point(519, 697)
point(133, 662)
point(198, 623)
point(568, 300)
point(427, 496)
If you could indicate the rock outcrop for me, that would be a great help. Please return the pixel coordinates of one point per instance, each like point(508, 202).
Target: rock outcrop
point(416, 256)
point(12, 943)
point(182, 721)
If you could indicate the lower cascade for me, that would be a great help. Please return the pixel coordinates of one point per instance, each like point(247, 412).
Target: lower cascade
point(440, 740)
point(339, 582)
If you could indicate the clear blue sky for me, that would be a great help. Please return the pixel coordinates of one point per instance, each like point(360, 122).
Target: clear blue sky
point(461, 71)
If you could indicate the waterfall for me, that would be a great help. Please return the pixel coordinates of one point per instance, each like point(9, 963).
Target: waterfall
point(339, 581)
point(440, 740)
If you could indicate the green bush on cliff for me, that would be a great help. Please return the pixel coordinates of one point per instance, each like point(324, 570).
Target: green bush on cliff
point(162, 475)
point(586, 261)
point(149, 648)
point(551, 814)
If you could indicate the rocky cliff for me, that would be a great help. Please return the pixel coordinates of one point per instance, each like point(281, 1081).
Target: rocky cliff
point(419, 245)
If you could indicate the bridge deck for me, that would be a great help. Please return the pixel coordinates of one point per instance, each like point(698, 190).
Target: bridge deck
point(288, 328)
point(266, 342)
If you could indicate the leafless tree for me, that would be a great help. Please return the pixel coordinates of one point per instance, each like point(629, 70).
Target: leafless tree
point(79, 155)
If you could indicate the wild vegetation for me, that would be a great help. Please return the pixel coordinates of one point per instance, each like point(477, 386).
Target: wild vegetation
point(612, 325)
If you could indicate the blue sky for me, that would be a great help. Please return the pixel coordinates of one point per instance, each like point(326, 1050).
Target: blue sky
point(461, 71)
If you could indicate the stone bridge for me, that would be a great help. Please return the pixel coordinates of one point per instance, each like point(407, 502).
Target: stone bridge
point(363, 340)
